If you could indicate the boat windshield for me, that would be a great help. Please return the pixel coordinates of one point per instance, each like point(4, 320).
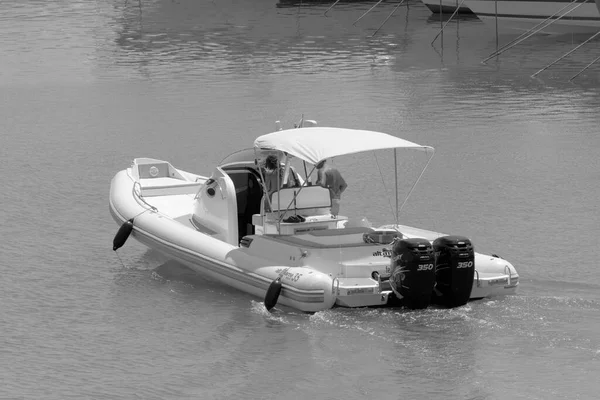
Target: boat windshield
point(240, 158)
point(244, 158)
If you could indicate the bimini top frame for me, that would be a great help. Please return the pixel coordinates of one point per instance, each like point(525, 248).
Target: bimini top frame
point(315, 144)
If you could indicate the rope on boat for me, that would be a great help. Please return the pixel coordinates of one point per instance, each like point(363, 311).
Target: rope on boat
point(388, 17)
point(566, 54)
point(397, 212)
point(333, 5)
point(368, 11)
point(415, 184)
point(534, 28)
point(586, 67)
point(537, 28)
point(444, 26)
point(120, 260)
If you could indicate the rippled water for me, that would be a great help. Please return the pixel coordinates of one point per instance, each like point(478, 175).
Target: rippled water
point(85, 86)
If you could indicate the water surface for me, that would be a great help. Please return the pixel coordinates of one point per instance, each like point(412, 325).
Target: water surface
point(88, 85)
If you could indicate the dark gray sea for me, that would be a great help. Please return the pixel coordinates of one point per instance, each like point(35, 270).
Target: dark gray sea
point(87, 85)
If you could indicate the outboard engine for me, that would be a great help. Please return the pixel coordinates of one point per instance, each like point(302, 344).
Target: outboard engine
point(454, 270)
point(412, 273)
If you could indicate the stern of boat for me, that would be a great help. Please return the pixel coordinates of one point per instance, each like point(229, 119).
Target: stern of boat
point(360, 292)
point(494, 276)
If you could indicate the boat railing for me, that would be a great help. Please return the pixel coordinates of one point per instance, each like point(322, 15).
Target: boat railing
point(335, 286)
point(382, 282)
point(508, 272)
point(137, 195)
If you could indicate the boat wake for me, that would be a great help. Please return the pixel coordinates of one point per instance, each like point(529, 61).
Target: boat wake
point(174, 271)
point(275, 315)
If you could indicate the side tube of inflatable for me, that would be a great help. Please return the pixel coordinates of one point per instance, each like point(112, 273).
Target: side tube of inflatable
point(302, 288)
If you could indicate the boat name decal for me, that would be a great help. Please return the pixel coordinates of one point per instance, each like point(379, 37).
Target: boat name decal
point(290, 276)
point(383, 253)
point(424, 267)
point(309, 229)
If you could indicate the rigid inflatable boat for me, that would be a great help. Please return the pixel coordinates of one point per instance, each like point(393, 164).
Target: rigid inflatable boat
point(286, 247)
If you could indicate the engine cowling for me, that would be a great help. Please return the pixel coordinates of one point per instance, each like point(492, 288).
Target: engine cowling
point(412, 276)
point(454, 270)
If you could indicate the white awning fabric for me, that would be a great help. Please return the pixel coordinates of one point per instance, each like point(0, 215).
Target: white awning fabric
point(315, 144)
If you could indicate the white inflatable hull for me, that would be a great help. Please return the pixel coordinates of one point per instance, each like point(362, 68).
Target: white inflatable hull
point(162, 221)
point(228, 264)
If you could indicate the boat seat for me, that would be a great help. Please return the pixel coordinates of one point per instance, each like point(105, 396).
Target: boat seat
point(167, 187)
point(151, 170)
point(305, 198)
point(312, 202)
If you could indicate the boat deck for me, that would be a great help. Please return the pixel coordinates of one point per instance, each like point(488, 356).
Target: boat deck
point(329, 238)
point(168, 186)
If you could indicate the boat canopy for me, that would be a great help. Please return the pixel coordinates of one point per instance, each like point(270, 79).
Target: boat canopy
point(314, 144)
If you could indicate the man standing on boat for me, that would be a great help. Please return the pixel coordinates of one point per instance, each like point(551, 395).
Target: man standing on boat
point(274, 178)
point(329, 177)
point(274, 175)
